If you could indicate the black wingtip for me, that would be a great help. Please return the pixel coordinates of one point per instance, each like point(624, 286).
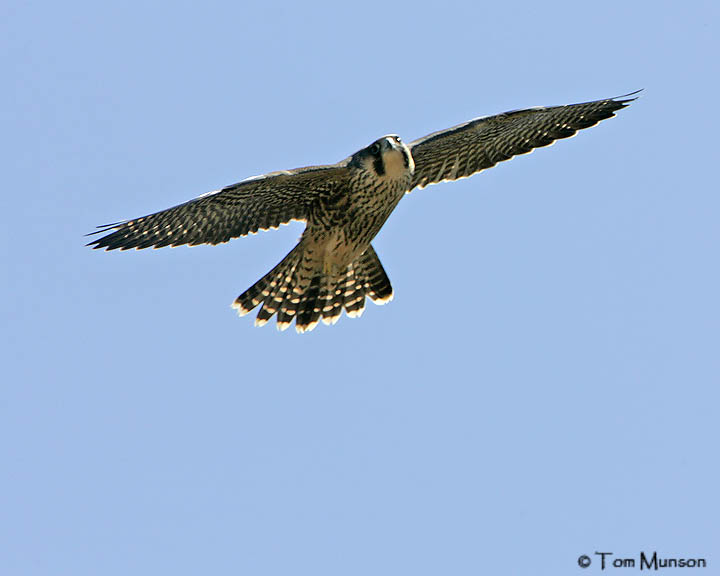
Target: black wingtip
point(103, 242)
point(95, 244)
point(106, 228)
point(624, 98)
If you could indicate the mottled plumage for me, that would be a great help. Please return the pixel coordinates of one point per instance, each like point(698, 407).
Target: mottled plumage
point(333, 266)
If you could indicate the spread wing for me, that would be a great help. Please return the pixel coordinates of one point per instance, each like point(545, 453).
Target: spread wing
point(254, 204)
point(463, 150)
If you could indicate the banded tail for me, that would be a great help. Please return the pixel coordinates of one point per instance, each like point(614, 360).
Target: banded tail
point(299, 288)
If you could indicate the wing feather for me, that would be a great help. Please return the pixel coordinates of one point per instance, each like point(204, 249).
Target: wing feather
point(258, 203)
point(468, 148)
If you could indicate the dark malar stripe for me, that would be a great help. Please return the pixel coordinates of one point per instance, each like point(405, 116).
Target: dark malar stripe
point(379, 165)
point(406, 160)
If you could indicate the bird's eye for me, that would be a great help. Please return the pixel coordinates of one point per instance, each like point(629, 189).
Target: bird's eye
point(375, 148)
point(397, 139)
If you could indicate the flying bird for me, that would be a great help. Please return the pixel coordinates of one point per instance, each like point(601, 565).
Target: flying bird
point(334, 267)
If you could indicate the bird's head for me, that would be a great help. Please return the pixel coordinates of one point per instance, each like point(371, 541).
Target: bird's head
point(387, 157)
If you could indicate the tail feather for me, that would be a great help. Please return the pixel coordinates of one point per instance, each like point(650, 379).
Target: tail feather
point(308, 312)
point(287, 311)
point(333, 304)
point(354, 293)
point(377, 282)
point(297, 288)
point(276, 300)
point(263, 289)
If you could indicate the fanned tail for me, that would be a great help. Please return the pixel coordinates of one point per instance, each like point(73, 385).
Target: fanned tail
point(297, 288)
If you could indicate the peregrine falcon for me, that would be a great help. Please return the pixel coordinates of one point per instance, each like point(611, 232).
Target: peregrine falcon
point(344, 205)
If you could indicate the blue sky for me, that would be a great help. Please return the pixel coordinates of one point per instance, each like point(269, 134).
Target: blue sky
point(544, 384)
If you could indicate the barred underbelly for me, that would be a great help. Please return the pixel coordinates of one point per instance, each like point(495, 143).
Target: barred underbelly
point(340, 250)
point(343, 228)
